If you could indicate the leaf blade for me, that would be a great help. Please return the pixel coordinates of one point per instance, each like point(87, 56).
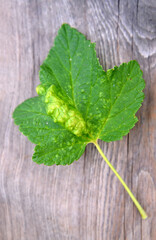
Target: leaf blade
point(122, 111)
point(63, 155)
point(81, 66)
point(99, 104)
point(40, 129)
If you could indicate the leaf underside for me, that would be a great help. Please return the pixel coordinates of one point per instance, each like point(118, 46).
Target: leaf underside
point(102, 104)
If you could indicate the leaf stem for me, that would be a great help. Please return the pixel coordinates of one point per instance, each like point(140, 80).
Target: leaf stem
point(140, 209)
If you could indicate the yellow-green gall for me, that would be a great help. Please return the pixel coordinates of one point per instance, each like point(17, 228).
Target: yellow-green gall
point(64, 113)
point(40, 89)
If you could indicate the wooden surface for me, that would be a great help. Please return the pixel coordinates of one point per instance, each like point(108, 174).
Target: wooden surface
point(83, 201)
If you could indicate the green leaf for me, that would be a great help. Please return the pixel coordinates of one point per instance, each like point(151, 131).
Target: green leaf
point(64, 150)
point(56, 145)
point(125, 95)
point(78, 101)
point(72, 66)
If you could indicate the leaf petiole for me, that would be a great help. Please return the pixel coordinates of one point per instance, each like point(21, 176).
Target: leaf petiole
point(140, 209)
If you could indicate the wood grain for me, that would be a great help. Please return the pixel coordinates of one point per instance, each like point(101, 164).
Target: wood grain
point(83, 201)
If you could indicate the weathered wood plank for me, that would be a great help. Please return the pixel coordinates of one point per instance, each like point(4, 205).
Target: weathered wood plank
point(84, 200)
